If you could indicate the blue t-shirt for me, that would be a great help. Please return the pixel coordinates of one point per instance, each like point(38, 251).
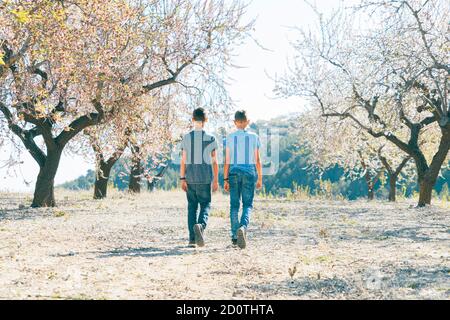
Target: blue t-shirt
point(242, 146)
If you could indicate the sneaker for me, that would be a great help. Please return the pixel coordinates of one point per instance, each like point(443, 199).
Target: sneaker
point(241, 238)
point(199, 240)
point(192, 244)
point(234, 242)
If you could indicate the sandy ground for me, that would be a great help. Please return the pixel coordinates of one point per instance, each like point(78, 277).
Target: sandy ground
point(135, 248)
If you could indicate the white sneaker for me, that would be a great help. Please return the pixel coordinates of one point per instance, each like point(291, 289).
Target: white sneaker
point(242, 238)
point(199, 240)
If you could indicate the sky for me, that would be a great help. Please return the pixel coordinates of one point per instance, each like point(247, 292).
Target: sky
point(251, 85)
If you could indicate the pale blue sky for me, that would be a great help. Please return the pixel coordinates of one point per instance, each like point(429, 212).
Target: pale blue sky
point(251, 87)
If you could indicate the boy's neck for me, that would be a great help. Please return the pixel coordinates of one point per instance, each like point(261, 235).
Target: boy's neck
point(242, 129)
point(199, 125)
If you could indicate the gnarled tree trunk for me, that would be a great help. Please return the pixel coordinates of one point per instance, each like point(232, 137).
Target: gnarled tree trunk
point(44, 195)
point(135, 178)
point(371, 187)
point(101, 180)
point(151, 185)
point(370, 193)
point(425, 192)
point(371, 181)
point(392, 188)
point(104, 170)
point(393, 174)
point(137, 170)
point(428, 175)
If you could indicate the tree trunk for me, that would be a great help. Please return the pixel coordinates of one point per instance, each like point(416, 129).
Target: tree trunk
point(101, 180)
point(135, 178)
point(370, 194)
point(137, 170)
point(425, 192)
point(44, 195)
point(371, 182)
point(392, 187)
point(428, 177)
point(104, 168)
point(427, 181)
point(152, 185)
point(393, 175)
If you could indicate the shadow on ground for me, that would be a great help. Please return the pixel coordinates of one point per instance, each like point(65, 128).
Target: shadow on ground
point(306, 285)
point(147, 252)
point(419, 278)
point(416, 234)
point(152, 252)
point(371, 283)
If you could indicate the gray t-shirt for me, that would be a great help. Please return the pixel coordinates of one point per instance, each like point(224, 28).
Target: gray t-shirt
point(198, 146)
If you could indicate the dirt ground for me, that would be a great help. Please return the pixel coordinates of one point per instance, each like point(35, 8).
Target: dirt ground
point(129, 247)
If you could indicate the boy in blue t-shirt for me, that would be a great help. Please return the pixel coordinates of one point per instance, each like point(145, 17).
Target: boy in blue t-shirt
point(242, 174)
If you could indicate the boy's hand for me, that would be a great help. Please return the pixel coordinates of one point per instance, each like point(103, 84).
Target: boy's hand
point(215, 186)
point(226, 186)
point(259, 184)
point(184, 185)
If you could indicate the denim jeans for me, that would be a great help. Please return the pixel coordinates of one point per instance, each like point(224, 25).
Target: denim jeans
point(242, 187)
point(198, 195)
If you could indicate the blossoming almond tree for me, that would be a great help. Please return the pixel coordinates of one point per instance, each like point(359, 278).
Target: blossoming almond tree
point(331, 141)
point(151, 144)
point(148, 135)
point(70, 65)
point(383, 65)
point(57, 58)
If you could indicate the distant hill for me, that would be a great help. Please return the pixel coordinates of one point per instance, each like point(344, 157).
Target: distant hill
point(84, 182)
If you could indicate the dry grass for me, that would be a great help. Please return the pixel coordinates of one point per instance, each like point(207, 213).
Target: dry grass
point(135, 247)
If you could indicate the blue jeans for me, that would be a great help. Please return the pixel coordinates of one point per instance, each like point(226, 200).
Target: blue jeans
point(242, 187)
point(198, 194)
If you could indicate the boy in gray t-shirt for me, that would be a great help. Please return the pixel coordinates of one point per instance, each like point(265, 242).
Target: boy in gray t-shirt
point(199, 169)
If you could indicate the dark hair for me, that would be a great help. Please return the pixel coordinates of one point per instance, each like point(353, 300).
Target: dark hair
point(199, 115)
point(240, 115)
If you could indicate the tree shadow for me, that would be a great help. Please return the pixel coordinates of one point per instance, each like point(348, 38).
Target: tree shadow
point(146, 252)
point(299, 287)
point(23, 214)
point(154, 252)
point(418, 278)
point(416, 234)
point(407, 233)
point(372, 282)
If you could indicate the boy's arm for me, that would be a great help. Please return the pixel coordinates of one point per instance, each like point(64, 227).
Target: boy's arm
point(258, 168)
point(183, 171)
point(226, 170)
point(215, 165)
